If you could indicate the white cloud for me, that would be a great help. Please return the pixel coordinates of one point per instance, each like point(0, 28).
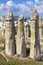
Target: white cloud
point(23, 8)
point(29, 3)
point(37, 1)
point(21, 5)
point(1, 6)
point(10, 3)
point(39, 8)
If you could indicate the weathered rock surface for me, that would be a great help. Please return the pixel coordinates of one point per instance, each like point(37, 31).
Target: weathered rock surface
point(9, 34)
point(35, 52)
point(20, 42)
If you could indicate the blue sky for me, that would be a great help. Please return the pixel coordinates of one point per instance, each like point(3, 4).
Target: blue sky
point(21, 7)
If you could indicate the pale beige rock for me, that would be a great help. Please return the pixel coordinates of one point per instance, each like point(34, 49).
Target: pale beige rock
point(20, 42)
point(35, 38)
point(26, 30)
point(9, 15)
point(9, 34)
point(35, 15)
point(41, 33)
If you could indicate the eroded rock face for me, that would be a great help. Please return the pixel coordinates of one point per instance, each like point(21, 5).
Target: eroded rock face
point(35, 38)
point(9, 34)
point(26, 31)
point(34, 15)
point(9, 15)
point(20, 42)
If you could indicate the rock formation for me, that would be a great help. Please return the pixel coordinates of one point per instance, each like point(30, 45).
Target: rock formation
point(20, 42)
point(26, 30)
point(9, 34)
point(35, 38)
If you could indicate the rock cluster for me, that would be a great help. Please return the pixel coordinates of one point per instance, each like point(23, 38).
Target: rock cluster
point(17, 44)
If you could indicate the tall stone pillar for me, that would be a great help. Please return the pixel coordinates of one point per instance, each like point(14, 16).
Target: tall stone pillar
point(41, 34)
point(35, 52)
point(9, 34)
point(20, 42)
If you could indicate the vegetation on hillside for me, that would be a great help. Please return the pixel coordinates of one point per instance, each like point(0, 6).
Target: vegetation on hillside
point(17, 62)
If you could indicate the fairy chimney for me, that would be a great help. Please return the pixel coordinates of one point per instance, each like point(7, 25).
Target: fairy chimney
point(20, 42)
point(9, 34)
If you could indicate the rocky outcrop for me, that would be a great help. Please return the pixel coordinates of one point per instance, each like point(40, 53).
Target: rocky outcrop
point(35, 52)
point(9, 34)
point(20, 41)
